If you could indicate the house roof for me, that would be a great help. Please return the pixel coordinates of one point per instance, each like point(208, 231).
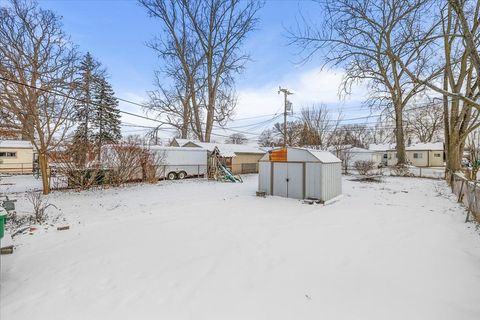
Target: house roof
point(181, 142)
point(438, 146)
point(225, 149)
point(381, 147)
point(20, 144)
point(414, 147)
point(359, 150)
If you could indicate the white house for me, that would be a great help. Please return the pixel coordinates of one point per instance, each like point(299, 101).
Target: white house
point(420, 155)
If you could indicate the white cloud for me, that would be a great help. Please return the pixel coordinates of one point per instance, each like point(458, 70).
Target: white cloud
point(311, 86)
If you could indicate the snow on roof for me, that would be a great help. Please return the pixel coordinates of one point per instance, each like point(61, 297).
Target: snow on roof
point(181, 142)
point(227, 149)
point(381, 147)
point(166, 148)
point(358, 150)
point(426, 146)
point(15, 144)
point(324, 156)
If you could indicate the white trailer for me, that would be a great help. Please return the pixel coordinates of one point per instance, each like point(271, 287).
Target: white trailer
point(179, 163)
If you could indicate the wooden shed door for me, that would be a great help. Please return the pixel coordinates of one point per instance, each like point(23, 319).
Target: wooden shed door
point(288, 180)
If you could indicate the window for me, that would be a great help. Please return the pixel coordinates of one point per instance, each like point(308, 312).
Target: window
point(437, 155)
point(8, 154)
point(417, 156)
point(384, 156)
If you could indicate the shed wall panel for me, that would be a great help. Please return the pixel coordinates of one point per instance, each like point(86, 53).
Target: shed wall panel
point(312, 180)
point(264, 177)
point(331, 181)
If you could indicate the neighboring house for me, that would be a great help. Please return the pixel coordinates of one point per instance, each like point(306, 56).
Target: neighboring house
point(354, 154)
point(420, 155)
point(240, 158)
point(381, 151)
point(16, 156)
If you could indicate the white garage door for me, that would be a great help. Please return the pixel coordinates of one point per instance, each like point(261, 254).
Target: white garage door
point(288, 180)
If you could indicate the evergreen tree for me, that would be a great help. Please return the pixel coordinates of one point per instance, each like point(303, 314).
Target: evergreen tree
point(87, 82)
point(106, 120)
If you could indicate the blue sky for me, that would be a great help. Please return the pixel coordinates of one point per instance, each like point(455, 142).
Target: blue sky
point(115, 32)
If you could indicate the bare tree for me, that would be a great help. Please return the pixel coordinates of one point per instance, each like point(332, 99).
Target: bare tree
point(425, 124)
point(455, 30)
point(318, 126)
point(268, 138)
point(37, 60)
point(237, 138)
point(202, 48)
point(360, 37)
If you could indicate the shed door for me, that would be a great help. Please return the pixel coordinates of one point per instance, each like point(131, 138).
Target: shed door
point(288, 180)
point(280, 176)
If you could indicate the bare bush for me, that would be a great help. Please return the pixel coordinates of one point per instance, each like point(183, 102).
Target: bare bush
point(40, 205)
point(364, 167)
point(402, 171)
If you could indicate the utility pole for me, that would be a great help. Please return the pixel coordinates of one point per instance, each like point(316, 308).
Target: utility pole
point(286, 106)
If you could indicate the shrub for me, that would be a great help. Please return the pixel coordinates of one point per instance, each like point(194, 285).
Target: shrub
point(364, 167)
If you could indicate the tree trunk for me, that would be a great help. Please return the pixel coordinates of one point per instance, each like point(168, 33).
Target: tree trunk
point(43, 163)
point(400, 140)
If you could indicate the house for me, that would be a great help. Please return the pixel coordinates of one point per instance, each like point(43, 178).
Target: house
point(240, 158)
point(300, 173)
point(381, 151)
point(16, 156)
point(420, 155)
point(354, 154)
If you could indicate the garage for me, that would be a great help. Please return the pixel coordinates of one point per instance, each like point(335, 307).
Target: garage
point(300, 173)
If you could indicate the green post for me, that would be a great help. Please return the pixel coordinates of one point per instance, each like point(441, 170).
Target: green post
point(3, 221)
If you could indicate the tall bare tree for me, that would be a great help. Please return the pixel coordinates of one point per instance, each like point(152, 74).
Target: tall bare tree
point(359, 36)
point(36, 60)
point(457, 31)
point(425, 124)
point(201, 43)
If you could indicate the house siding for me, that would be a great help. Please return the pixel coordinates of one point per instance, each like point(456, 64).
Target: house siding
point(22, 163)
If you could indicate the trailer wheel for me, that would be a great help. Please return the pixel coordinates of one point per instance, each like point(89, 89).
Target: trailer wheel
point(171, 176)
point(182, 175)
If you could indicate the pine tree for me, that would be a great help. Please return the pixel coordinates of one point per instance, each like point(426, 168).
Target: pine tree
point(87, 82)
point(106, 121)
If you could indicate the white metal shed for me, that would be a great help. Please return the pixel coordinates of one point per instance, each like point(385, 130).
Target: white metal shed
point(300, 174)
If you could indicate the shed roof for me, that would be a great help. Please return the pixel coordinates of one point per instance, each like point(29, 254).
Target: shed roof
point(307, 155)
point(20, 144)
point(324, 156)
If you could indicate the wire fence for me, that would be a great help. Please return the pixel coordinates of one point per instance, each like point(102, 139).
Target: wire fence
point(467, 192)
point(410, 171)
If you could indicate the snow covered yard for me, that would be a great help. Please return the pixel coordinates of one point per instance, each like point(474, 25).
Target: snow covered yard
point(202, 250)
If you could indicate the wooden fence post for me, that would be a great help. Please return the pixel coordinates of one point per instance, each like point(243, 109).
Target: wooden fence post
point(460, 196)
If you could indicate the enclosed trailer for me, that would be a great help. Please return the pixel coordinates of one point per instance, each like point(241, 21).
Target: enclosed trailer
point(179, 163)
point(300, 174)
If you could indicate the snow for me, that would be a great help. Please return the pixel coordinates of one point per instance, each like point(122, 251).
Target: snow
point(196, 249)
point(434, 146)
point(381, 147)
point(226, 149)
point(324, 156)
point(15, 144)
